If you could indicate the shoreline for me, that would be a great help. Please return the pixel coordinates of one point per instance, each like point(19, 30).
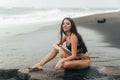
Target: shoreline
point(90, 19)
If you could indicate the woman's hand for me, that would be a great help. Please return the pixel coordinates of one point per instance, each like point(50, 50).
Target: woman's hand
point(59, 64)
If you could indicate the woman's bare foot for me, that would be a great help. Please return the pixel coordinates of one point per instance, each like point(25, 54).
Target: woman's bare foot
point(36, 67)
point(58, 65)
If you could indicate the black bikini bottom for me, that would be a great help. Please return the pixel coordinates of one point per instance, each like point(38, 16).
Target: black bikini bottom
point(84, 58)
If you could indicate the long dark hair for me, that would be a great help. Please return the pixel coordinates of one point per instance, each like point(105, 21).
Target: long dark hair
point(73, 30)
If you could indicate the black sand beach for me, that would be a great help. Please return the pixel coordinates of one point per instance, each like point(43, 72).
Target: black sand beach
point(109, 29)
point(23, 50)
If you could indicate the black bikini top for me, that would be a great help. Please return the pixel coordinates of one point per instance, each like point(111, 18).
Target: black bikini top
point(82, 48)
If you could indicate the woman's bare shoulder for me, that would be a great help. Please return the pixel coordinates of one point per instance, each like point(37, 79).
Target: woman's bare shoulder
point(73, 36)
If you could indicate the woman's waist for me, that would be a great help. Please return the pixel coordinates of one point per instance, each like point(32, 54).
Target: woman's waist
point(82, 56)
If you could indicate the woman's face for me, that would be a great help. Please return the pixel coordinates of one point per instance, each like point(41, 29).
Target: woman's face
point(66, 25)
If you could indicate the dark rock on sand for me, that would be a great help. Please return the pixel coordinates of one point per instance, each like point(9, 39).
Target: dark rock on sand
point(13, 74)
point(8, 73)
point(101, 20)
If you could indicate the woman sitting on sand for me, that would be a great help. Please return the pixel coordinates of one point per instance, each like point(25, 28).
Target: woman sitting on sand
point(75, 56)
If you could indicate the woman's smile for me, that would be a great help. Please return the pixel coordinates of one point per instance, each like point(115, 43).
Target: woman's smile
point(66, 25)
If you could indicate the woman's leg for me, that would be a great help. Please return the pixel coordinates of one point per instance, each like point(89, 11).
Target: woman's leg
point(65, 52)
point(76, 64)
point(50, 56)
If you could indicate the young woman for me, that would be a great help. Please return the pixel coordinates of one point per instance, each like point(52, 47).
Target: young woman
point(75, 56)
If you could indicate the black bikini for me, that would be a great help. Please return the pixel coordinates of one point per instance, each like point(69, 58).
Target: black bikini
point(82, 48)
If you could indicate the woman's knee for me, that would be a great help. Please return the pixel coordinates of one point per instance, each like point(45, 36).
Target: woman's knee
point(55, 50)
point(61, 49)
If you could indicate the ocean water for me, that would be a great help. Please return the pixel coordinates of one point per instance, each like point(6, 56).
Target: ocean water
point(31, 15)
point(16, 20)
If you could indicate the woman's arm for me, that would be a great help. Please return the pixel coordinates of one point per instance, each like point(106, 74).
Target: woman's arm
point(74, 42)
point(57, 44)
